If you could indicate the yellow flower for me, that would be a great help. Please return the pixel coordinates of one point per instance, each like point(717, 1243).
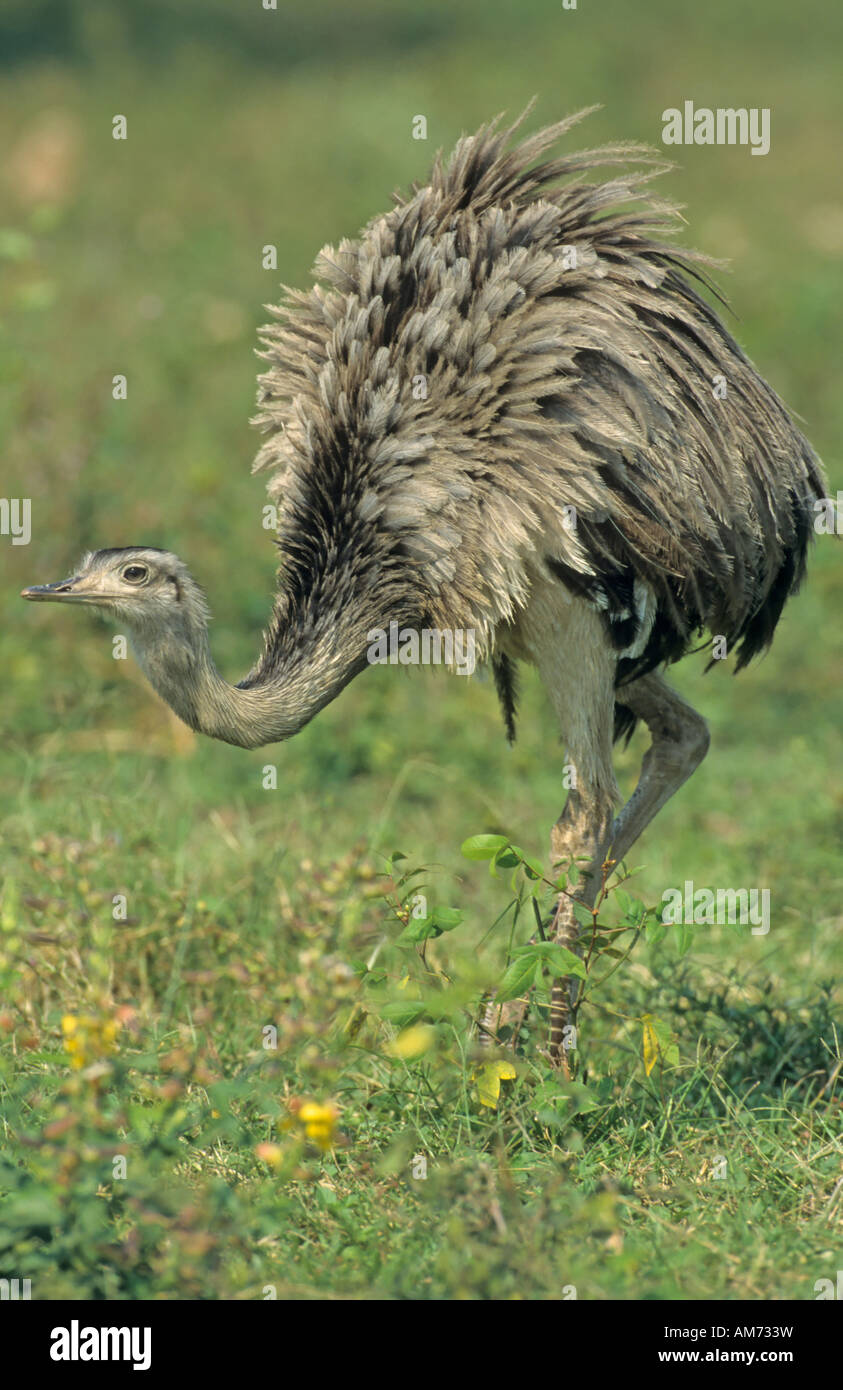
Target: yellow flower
point(413, 1042)
point(488, 1080)
point(319, 1123)
point(88, 1039)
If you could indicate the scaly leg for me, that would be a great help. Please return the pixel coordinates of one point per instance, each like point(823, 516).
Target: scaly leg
point(680, 741)
point(583, 832)
point(566, 641)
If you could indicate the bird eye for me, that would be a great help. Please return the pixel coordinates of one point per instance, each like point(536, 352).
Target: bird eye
point(135, 574)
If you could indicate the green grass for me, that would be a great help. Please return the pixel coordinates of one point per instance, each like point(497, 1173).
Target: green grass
point(249, 907)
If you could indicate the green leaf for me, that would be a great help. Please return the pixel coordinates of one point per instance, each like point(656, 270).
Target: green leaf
point(558, 959)
point(659, 1044)
point(401, 880)
point(651, 1044)
point(583, 915)
point(533, 868)
point(488, 1081)
point(563, 1098)
point(561, 962)
point(684, 937)
point(37, 1210)
point(483, 846)
point(447, 918)
point(418, 929)
point(440, 920)
point(517, 979)
point(667, 1041)
point(655, 932)
point(636, 911)
point(581, 1097)
point(403, 1013)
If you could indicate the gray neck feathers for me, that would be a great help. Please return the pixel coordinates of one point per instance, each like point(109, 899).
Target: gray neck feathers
point(273, 703)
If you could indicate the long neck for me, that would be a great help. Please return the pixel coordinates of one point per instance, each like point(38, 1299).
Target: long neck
point(279, 697)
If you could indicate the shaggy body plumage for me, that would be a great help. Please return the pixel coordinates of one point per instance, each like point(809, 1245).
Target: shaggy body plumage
point(505, 407)
point(563, 359)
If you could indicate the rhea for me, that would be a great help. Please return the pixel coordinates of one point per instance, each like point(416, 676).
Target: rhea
point(505, 408)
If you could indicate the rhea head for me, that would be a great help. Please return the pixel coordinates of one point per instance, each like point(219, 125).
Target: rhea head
point(146, 588)
point(165, 612)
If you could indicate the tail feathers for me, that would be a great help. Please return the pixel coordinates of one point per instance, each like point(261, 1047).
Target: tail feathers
point(625, 723)
point(506, 683)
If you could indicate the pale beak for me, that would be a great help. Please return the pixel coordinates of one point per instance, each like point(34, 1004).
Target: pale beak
point(63, 591)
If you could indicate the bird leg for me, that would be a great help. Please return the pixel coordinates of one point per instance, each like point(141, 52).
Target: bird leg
point(582, 833)
point(680, 741)
point(566, 642)
point(564, 637)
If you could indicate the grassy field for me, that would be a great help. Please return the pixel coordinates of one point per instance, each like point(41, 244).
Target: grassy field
point(163, 907)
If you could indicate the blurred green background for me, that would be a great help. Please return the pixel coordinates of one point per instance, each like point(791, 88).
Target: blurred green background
point(143, 257)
